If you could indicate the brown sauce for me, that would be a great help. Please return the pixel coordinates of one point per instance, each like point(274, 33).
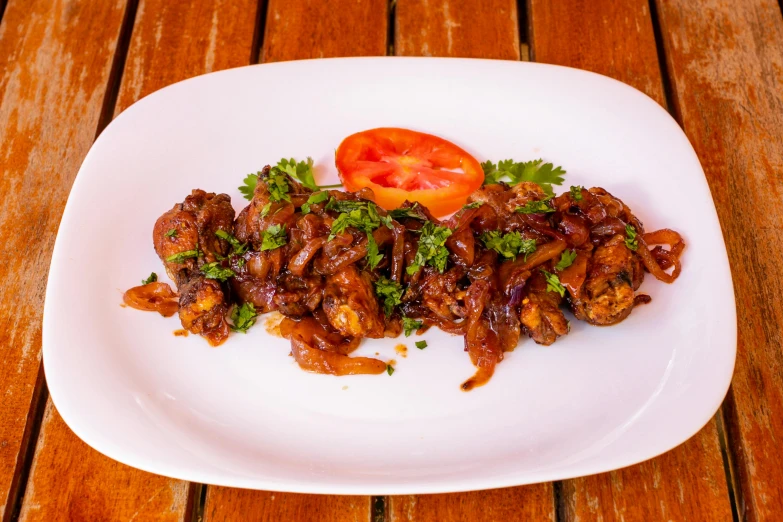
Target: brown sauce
point(181, 333)
point(402, 350)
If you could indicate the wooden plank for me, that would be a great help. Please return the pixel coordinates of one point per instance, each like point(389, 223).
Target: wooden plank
point(52, 88)
point(229, 504)
point(298, 29)
point(725, 60)
point(69, 480)
point(616, 39)
point(468, 29)
point(507, 505)
point(479, 29)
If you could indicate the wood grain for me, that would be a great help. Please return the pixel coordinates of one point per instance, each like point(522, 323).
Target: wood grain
point(69, 480)
point(52, 88)
point(497, 505)
point(480, 30)
point(725, 60)
point(298, 29)
point(229, 504)
point(295, 30)
point(689, 483)
point(467, 29)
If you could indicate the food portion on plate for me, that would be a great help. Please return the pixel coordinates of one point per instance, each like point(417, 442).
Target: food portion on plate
point(376, 261)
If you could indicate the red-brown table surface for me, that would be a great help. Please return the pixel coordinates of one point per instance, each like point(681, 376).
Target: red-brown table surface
point(67, 67)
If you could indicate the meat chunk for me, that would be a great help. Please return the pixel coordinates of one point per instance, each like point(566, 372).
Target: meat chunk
point(350, 304)
point(202, 309)
point(607, 296)
point(541, 317)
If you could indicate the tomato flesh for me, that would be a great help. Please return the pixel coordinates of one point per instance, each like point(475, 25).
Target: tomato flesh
point(401, 164)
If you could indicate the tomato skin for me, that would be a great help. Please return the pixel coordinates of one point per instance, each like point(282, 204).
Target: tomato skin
point(401, 164)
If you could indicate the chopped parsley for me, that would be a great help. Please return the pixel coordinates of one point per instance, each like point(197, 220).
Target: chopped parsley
point(576, 192)
point(410, 325)
point(274, 237)
point(432, 248)
point(301, 171)
point(362, 215)
point(409, 212)
point(553, 283)
point(566, 259)
point(318, 197)
point(535, 207)
point(630, 238)
point(265, 209)
point(243, 317)
point(171, 233)
point(345, 205)
point(508, 245)
point(544, 174)
point(373, 256)
point(238, 247)
point(215, 270)
point(390, 292)
point(182, 256)
point(277, 183)
point(151, 279)
point(248, 186)
point(475, 204)
point(421, 345)
point(389, 369)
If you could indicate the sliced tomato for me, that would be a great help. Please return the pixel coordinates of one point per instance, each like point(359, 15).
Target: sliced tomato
point(399, 164)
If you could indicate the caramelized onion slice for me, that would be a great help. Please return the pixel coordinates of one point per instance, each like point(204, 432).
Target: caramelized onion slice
point(663, 236)
point(153, 297)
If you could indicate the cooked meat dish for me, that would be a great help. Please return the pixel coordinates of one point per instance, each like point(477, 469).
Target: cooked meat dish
point(340, 268)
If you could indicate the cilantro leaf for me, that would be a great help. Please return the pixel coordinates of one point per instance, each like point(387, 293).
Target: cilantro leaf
point(265, 209)
point(302, 171)
point(171, 233)
point(345, 205)
point(373, 256)
point(576, 192)
point(151, 279)
point(182, 256)
point(318, 197)
point(243, 317)
point(431, 248)
point(389, 369)
point(566, 259)
point(248, 186)
point(277, 183)
point(215, 270)
point(536, 171)
point(238, 247)
point(630, 240)
point(508, 245)
point(410, 325)
point(390, 292)
point(274, 237)
point(535, 207)
point(409, 212)
point(553, 283)
point(421, 345)
point(475, 204)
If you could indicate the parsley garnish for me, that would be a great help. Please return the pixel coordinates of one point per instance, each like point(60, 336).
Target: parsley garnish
point(630, 239)
point(151, 279)
point(535, 207)
point(243, 317)
point(421, 345)
point(508, 245)
point(215, 270)
point(373, 256)
point(265, 209)
point(363, 216)
point(566, 259)
point(274, 237)
point(475, 204)
point(544, 174)
point(171, 233)
point(576, 192)
point(182, 256)
point(318, 197)
point(409, 212)
point(431, 248)
point(553, 283)
point(345, 205)
point(410, 325)
point(238, 247)
point(277, 183)
point(302, 171)
point(390, 292)
point(389, 369)
point(248, 186)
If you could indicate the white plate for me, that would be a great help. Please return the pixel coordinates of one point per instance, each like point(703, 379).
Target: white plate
point(245, 415)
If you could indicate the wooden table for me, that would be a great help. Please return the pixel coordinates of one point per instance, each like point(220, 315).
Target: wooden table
point(67, 67)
